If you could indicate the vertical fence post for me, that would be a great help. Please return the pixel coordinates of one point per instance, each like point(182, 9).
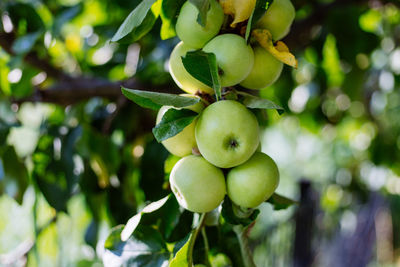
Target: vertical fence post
point(304, 219)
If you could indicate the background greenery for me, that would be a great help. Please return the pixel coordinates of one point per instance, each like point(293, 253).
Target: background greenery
point(76, 158)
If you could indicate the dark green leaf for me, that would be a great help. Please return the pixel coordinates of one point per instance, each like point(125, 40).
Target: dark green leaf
point(144, 248)
point(133, 222)
point(26, 13)
point(14, 177)
point(25, 43)
point(203, 66)
point(259, 10)
point(172, 123)
point(155, 100)
point(181, 257)
point(230, 213)
point(280, 202)
point(203, 6)
point(169, 14)
point(134, 19)
point(256, 102)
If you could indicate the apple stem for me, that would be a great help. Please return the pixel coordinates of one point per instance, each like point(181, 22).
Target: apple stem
point(193, 238)
point(242, 236)
point(206, 246)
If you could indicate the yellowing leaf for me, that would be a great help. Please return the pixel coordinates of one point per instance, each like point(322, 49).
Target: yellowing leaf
point(240, 10)
point(280, 51)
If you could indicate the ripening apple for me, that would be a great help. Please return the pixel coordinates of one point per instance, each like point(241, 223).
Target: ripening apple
point(235, 58)
point(278, 18)
point(191, 32)
point(197, 185)
point(181, 144)
point(181, 77)
point(253, 182)
point(227, 133)
point(266, 70)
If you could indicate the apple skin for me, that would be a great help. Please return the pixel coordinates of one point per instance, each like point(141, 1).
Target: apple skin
point(178, 72)
point(197, 184)
point(227, 133)
point(191, 32)
point(181, 144)
point(253, 182)
point(266, 70)
point(278, 18)
point(235, 58)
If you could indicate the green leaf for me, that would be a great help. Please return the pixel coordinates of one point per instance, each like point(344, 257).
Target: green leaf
point(156, 100)
point(135, 220)
point(203, 6)
point(25, 43)
point(259, 10)
point(145, 248)
point(172, 123)
point(255, 102)
point(280, 202)
point(147, 24)
point(21, 13)
point(203, 66)
point(134, 19)
point(169, 14)
point(181, 257)
point(14, 177)
point(230, 212)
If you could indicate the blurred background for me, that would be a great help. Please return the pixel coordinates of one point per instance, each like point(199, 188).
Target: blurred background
point(76, 158)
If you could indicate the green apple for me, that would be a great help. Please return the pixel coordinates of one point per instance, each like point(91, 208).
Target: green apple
point(253, 182)
point(198, 185)
point(191, 32)
point(266, 70)
point(235, 58)
point(278, 18)
point(227, 133)
point(181, 144)
point(181, 77)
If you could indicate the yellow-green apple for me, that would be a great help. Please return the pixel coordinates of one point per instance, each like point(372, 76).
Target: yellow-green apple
point(197, 184)
point(181, 144)
point(227, 133)
point(235, 58)
point(191, 32)
point(253, 182)
point(178, 72)
point(266, 70)
point(278, 18)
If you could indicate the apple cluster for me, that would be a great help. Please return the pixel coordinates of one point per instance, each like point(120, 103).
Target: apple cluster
point(220, 150)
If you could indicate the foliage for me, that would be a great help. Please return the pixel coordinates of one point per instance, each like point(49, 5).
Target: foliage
point(79, 159)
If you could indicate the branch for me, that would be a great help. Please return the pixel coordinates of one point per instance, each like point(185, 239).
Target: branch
point(78, 89)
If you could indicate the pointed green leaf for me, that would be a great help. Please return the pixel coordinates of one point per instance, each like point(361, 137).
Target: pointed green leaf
point(280, 202)
point(156, 100)
point(256, 102)
point(181, 257)
point(259, 10)
point(172, 123)
point(203, 6)
point(134, 19)
point(203, 66)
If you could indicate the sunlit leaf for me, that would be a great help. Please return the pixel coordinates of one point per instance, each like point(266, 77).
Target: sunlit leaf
point(134, 19)
point(240, 10)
